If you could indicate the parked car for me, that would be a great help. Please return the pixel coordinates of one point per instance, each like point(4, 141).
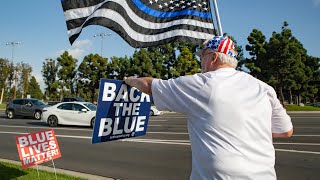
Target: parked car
point(70, 113)
point(25, 107)
point(51, 103)
point(154, 111)
point(72, 99)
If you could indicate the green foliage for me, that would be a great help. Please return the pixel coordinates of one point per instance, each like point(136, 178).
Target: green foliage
point(66, 73)
point(186, 64)
point(91, 70)
point(13, 171)
point(49, 73)
point(4, 74)
point(25, 75)
point(292, 107)
point(34, 89)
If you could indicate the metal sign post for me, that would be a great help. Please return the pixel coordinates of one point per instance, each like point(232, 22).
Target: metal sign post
point(216, 10)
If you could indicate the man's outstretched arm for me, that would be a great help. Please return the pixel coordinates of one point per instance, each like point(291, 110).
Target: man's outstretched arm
point(143, 84)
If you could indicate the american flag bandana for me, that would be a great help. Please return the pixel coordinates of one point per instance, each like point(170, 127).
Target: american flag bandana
point(222, 44)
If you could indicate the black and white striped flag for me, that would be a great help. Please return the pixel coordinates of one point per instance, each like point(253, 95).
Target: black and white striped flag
point(143, 23)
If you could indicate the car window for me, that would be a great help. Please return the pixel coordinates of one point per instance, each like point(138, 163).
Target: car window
point(67, 106)
point(18, 102)
point(37, 102)
point(77, 107)
point(91, 106)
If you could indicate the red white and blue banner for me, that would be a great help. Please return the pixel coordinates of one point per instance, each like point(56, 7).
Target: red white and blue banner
point(122, 112)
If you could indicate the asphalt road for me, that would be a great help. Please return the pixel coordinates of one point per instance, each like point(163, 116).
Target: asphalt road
point(164, 153)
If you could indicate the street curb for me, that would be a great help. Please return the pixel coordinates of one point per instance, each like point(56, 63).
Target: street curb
point(61, 171)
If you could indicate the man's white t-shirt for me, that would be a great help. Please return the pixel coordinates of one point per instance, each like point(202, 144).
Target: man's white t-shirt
point(231, 117)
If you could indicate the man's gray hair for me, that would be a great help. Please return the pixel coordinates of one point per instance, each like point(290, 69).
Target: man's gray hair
point(226, 59)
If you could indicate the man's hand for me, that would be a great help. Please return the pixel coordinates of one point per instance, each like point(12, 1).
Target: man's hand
point(143, 84)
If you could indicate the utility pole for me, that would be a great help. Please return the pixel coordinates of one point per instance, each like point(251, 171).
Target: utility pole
point(13, 44)
point(102, 35)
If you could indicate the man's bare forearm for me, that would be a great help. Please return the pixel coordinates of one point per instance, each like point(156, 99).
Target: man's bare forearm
point(143, 84)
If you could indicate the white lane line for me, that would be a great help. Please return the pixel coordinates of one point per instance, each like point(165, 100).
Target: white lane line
point(48, 127)
point(172, 133)
point(175, 133)
point(296, 151)
point(160, 141)
point(45, 127)
point(157, 120)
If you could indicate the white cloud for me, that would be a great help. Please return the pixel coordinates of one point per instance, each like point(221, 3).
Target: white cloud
point(316, 2)
point(78, 49)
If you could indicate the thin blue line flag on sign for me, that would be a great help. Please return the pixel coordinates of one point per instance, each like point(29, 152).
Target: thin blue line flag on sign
point(122, 112)
point(143, 23)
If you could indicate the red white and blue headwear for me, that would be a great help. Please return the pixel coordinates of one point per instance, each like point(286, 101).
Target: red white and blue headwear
point(222, 44)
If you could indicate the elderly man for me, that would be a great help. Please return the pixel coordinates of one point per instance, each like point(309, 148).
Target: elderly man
point(232, 116)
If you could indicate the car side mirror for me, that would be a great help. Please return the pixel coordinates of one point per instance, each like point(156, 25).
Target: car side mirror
point(29, 104)
point(84, 110)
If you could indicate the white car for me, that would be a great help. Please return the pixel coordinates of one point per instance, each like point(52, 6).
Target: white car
point(154, 111)
point(70, 113)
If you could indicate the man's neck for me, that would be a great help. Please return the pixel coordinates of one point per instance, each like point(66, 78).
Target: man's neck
point(221, 66)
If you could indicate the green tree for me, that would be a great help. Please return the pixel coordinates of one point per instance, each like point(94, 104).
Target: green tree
point(4, 74)
point(25, 75)
point(141, 64)
point(49, 72)
point(119, 68)
point(257, 51)
point(34, 89)
point(91, 70)
point(186, 64)
point(66, 73)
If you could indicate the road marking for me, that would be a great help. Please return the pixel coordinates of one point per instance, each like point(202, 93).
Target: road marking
point(46, 127)
point(296, 151)
point(172, 133)
point(157, 120)
point(167, 133)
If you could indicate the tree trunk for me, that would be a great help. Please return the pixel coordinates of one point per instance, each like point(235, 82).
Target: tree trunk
point(290, 93)
point(1, 99)
point(281, 96)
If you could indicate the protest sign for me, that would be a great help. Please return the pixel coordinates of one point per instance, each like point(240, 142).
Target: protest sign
point(38, 147)
point(122, 112)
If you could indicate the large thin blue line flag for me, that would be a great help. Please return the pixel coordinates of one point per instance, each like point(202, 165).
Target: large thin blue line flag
point(143, 23)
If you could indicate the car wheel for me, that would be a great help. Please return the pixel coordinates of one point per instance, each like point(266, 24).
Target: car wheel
point(52, 121)
point(37, 115)
point(10, 114)
point(92, 122)
point(151, 113)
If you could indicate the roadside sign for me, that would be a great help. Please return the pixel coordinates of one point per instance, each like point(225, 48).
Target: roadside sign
point(37, 147)
point(122, 112)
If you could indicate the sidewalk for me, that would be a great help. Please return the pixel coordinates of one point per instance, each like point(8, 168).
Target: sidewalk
point(62, 171)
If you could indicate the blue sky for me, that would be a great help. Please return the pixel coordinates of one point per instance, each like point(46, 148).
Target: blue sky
point(40, 26)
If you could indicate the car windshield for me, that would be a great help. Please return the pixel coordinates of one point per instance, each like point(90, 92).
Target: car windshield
point(37, 102)
point(91, 106)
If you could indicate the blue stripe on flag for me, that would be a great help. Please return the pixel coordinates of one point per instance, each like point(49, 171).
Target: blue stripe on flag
point(159, 14)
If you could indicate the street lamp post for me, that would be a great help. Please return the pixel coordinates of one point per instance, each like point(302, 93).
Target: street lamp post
point(13, 44)
point(102, 35)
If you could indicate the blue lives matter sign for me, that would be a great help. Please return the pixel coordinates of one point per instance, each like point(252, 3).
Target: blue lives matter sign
point(122, 112)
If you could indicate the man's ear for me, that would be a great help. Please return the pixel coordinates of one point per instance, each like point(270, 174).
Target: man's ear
point(214, 58)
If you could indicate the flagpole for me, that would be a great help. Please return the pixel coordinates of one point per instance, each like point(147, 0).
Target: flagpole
point(220, 33)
